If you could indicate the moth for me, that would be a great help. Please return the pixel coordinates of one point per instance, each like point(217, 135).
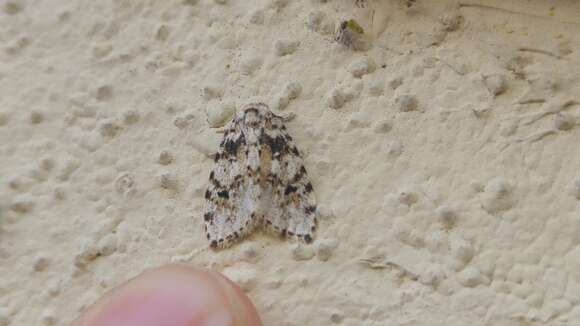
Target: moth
point(258, 181)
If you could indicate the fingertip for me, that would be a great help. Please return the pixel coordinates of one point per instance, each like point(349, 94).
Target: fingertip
point(173, 295)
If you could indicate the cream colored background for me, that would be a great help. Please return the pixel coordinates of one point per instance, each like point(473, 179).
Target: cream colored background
point(464, 211)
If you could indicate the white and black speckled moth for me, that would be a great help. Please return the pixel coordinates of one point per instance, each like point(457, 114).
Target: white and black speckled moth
point(258, 180)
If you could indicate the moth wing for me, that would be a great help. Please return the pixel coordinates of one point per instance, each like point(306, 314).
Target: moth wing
point(230, 199)
point(293, 206)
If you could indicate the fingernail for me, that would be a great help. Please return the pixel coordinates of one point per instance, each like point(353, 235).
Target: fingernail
point(240, 305)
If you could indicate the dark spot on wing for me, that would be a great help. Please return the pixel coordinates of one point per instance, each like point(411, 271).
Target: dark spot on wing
point(290, 189)
point(223, 194)
point(216, 183)
point(207, 216)
point(231, 146)
point(308, 238)
point(277, 144)
point(213, 244)
point(308, 187)
point(299, 174)
point(237, 181)
point(310, 209)
point(207, 194)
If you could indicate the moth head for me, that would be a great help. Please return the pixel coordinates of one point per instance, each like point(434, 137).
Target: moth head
point(254, 112)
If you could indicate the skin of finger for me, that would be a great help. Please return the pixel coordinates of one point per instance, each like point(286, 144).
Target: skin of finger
point(207, 298)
